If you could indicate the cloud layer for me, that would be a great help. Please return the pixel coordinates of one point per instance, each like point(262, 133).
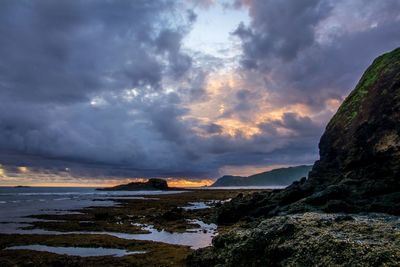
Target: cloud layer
point(112, 85)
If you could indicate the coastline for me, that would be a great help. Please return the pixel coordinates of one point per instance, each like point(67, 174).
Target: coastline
point(175, 215)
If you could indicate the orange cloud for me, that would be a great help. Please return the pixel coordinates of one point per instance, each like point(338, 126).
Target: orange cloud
point(52, 180)
point(233, 127)
point(23, 169)
point(189, 183)
point(223, 89)
point(2, 172)
point(333, 104)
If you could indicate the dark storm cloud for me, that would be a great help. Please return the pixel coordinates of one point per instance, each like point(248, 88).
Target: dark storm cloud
point(56, 57)
point(298, 129)
point(107, 85)
point(280, 29)
point(304, 52)
point(65, 51)
point(290, 140)
point(312, 50)
point(213, 128)
point(169, 42)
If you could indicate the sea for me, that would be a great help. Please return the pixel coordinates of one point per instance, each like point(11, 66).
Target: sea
point(18, 203)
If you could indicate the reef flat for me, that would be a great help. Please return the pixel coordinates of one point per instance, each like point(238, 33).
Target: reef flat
point(182, 213)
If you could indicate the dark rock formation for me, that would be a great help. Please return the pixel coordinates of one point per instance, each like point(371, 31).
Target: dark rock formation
point(276, 177)
point(310, 239)
point(173, 214)
point(151, 184)
point(361, 145)
point(359, 166)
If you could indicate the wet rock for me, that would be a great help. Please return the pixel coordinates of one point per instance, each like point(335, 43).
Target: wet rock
point(360, 148)
point(307, 240)
point(331, 192)
point(173, 214)
point(338, 206)
point(344, 218)
point(87, 224)
point(102, 216)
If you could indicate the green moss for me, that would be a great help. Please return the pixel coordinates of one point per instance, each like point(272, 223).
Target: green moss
point(352, 106)
point(353, 115)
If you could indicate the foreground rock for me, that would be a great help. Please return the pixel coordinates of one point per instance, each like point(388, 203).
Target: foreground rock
point(359, 166)
point(151, 184)
point(310, 239)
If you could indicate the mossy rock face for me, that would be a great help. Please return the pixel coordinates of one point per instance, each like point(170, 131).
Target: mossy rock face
point(352, 106)
point(362, 141)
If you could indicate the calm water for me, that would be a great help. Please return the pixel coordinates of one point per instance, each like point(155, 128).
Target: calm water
point(78, 251)
point(243, 187)
point(17, 203)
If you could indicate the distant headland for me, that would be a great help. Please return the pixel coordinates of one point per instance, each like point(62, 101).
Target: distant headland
point(149, 185)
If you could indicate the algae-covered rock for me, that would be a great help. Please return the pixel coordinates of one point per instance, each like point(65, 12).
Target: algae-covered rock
point(310, 239)
point(361, 143)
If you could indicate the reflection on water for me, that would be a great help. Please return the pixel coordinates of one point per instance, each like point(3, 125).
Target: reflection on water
point(269, 187)
point(196, 206)
point(78, 251)
point(16, 203)
point(21, 202)
point(204, 205)
point(195, 238)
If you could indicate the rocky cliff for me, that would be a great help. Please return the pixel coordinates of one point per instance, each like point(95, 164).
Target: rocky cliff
point(358, 172)
point(361, 145)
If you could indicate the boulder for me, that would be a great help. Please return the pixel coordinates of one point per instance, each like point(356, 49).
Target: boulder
point(310, 239)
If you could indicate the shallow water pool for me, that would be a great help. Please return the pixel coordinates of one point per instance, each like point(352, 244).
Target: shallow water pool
point(78, 251)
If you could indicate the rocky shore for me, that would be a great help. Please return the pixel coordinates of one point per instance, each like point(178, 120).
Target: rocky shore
point(309, 239)
point(174, 213)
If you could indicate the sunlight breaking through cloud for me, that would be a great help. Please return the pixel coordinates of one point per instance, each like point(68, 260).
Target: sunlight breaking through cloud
point(177, 88)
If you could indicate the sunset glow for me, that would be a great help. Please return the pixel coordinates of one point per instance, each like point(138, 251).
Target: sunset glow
point(189, 183)
point(208, 87)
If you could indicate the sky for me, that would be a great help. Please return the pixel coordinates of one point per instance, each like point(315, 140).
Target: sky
point(97, 92)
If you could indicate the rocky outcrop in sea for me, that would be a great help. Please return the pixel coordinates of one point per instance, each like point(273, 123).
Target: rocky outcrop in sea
point(151, 184)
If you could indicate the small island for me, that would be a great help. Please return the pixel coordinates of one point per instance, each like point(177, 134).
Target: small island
point(151, 184)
